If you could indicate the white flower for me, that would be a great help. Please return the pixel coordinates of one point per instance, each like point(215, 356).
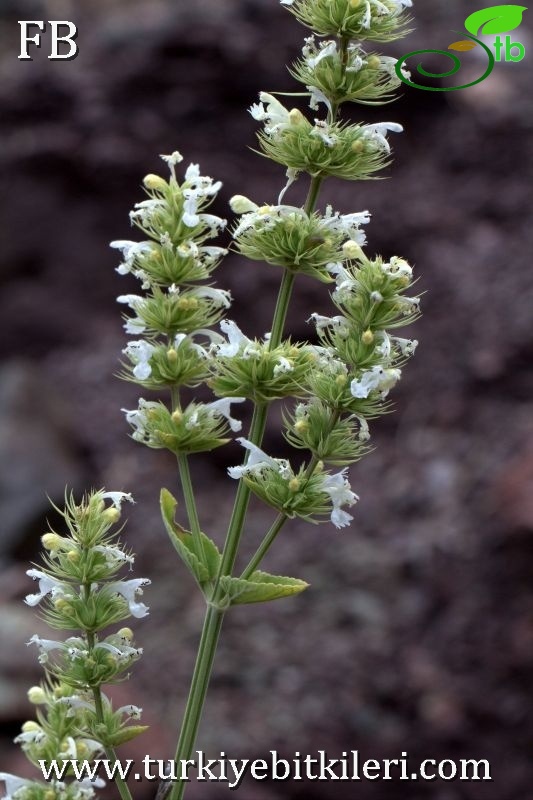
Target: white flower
point(397, 268)
point(190, 211)
point(47, 585)
point(326, 49)
point(117, 498)
point(389, 65)
point(128, 590)
point(221, 297)
point(347, 224)
point(340, 493)
point(286, 2)
point(376, 378)
point(45, 646)
point(292, 176)
point(114, 555)
point(257, 461)
point(384, 349)
point(222, 408)
point(131, 300)
point(146, 209)
point(322, 130)
point(338, 323)
point(13, 784)
point(364, 430)
point(283, 365)
point(273, 113)
point(377, 133)
point(30, 737)
point(407, 305)
point(237, 344)
point(407, 346)
point(130, 251)
point(138, 420)
point(140, 352)
point(173, 159)
point(215, 224)
point(123, 653)
point(133, 712)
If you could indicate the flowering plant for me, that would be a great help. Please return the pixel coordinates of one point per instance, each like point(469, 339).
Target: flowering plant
point(330, 387)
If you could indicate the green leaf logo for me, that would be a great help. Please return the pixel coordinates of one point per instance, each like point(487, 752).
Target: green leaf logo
point(496, 19)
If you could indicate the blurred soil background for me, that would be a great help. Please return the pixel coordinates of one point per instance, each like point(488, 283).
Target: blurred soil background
point(417, 632)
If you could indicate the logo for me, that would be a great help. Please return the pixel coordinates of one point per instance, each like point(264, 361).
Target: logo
point(495, 20)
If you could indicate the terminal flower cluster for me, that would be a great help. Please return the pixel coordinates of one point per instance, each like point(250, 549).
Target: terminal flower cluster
point(79, 591)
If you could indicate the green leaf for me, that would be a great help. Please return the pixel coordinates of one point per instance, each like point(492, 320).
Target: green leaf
point(496, 19)
point(126, 734)
point(466, 44)
point(260, 587)
point(203, 566)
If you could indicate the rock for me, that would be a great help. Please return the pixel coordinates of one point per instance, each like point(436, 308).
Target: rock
point(37, 452)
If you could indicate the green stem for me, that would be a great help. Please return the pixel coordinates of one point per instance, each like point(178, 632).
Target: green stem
point(265, 545)
point(186, 485)
point(282, 306)
point(198, 691)
point(242, 498)
point(312, 195)
point(190, 504)
point(109, 751)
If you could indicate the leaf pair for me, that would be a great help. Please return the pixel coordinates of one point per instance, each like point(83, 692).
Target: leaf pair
point(202, 558)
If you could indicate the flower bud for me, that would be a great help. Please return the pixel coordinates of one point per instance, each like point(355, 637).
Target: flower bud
point(177, 416)
point(49, 795)
point(60, 604)
point(301, 426)
point(355, 3)
point(367, 337)
point(31, 727)
point(294, 484)
point(111, 515)
point(358, 146)
point(351, 249)
point(154, 182)
point(73, 556)
point(51, 541)
point(374, 62)
point(125, 633)
point(296, 117)
point(172, 355)
point(241, 205)
point(376, 297)
point(36, 695)
point(341, 380)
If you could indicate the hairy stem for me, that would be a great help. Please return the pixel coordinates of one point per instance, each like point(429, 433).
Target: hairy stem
point(265, 545)
point(109, 751)
point(186, 485)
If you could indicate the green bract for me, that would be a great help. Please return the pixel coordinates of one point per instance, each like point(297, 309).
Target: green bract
point(261, 373)
point(316, 427)
point(366, 78)
point(338, 150)
point(287, 237)
point(197, 428)
point(375, 20)
point(154, 366)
